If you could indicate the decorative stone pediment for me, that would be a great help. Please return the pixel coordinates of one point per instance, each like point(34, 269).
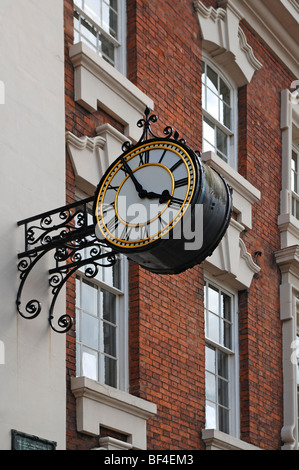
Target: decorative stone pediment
point(225, 40)
point(91, 156)
point(231, 262)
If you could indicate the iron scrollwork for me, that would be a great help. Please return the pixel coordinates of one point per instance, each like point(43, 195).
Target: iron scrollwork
point(68, 232)
point(146, 124)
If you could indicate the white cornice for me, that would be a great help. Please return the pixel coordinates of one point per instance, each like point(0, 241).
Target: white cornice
point(224, 39)
point(277, 23)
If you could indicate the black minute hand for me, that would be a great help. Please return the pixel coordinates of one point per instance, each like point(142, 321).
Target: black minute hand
point(141, 192)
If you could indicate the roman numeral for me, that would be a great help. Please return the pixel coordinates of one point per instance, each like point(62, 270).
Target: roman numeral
point(115, 188)
point(143, 231)
point(176, 202)
point(176, 165)
point(144, 158)
point(112, 224)
point(181, 182)
point(125, 235)
point(163, 222)
point(163, 155)
point(107, 208)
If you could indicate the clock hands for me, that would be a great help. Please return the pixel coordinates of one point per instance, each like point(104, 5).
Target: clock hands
point(164, 197)
point(142, 193)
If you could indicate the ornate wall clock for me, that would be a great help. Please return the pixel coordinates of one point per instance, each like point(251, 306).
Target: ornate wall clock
point(160, 205)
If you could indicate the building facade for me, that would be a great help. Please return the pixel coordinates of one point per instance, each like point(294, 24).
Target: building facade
point(202, 360)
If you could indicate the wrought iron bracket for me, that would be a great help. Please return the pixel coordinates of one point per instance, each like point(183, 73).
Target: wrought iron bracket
point(70, 236)
point(67, 233)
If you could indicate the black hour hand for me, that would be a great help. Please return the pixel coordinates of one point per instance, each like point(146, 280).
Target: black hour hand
point(164, 197)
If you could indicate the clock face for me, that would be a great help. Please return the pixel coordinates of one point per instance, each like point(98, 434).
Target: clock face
point(144, 194)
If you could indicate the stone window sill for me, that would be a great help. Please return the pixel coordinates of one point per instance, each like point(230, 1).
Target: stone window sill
point(98, 84)
point(100, 405)
point(217, 440)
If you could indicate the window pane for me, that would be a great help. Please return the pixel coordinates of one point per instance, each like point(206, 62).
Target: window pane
point(89, 364)
point(212, 104)
point(223, 420)
point(210, 387)
point(227, 335)
point(209, 131)
point(224, 92)
point(225, 115)
point(90, 331)
point(109, 21)
point(222, 392)
point(211, 422)
point(78, 296)
point(221, 141)
point(89, 32)
point(109, 339)
point(213, 299)
point(109, 306)
point(294, 172)
point(107, 48)
point(211, 359)
point(110, 372)
point(89, 297)
point(212, 80)
point(222, 360)
point(93, 6)
point(226, 306)
point(213, 327)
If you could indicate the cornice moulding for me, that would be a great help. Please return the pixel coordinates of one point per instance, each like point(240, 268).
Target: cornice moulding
point(225, 40)
point(277, 23)
point(81, 143)
point(288, 259)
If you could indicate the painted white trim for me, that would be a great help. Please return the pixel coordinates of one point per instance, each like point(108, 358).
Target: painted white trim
point(233, 134)
point(100, 405)
point(110, 443)
point(97, 83)
point(225, 40)
point(277, 23)
point(217, 440)
point(91, 156)
point(288, 262)
point(287, 223)
point(234, 387)
point(244, 193)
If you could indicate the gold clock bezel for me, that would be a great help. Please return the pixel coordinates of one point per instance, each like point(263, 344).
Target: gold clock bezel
point(116, 166)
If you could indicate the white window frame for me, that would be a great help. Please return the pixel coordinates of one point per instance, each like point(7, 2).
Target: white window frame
point(232, 133)
point(295, 194)
point(234, 392)
point(122, 334)
point(119, 43)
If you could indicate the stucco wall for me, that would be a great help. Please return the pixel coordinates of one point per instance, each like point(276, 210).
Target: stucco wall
point(32, 175)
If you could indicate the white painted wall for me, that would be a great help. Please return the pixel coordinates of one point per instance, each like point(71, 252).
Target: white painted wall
point(32, 180)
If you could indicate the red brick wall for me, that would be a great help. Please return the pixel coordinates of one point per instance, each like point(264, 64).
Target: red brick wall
point(166, 320)
point(80, 123)
point(166, 312)
point(259, 312)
